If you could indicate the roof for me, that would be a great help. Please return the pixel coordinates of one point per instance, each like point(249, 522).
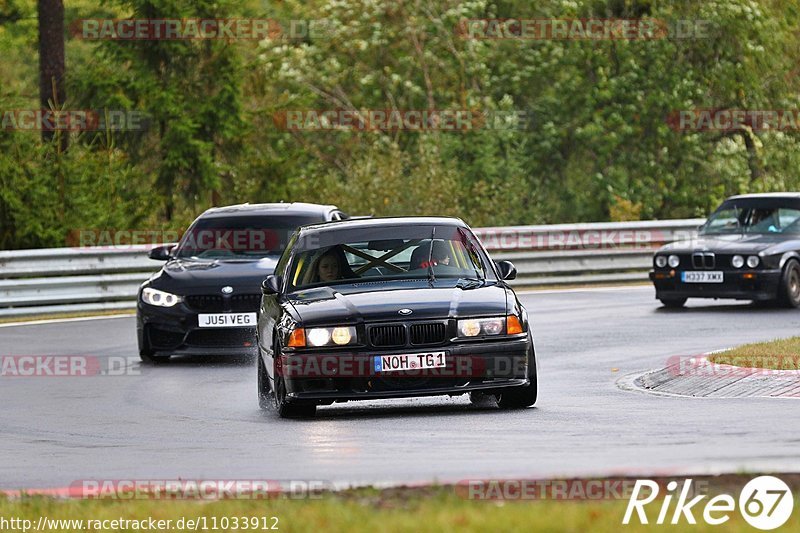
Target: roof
point(383, 222)
point(293, 208)
point(765, 195)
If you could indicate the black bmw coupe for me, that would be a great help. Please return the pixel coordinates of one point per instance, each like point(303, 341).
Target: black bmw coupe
point(748, 249)
point(391, 308)
point(204, 299)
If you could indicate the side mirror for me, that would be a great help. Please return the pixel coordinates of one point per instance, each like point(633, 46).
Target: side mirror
point(507, 270)
point(162, 253)
point(270, 285)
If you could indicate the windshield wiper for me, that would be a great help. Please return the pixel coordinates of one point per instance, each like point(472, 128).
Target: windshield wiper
point(469, 283)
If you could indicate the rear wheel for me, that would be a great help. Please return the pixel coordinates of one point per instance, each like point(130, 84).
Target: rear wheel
point(284, 407)
point(521, 397)
point(789, 291)
point(673, 303)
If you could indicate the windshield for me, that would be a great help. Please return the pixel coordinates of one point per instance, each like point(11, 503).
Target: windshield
point(396, 257)
point(753, 219)
point(240, 237)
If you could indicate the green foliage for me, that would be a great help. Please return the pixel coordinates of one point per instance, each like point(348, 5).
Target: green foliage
point(597, 145)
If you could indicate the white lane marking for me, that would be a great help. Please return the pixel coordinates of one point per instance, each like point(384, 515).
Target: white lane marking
point(588, 289)
point(60, 320)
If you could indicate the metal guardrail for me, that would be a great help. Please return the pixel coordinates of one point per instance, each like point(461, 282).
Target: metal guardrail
point(39, 282)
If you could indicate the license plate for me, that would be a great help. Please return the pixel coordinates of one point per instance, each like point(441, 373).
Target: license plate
point(226, 320)
point(702, 277)
point(397, 363)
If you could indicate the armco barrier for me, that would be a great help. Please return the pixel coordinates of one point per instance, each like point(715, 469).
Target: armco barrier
point(38, 282)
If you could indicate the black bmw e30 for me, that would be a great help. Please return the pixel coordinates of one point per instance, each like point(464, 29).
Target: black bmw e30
point(748, 249)
point(205, 298)
point(391, 308)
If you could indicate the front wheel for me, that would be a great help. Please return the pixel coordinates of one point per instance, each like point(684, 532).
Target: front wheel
point(789, 291)
point(283, 406)
point(673, 303)
point(521, 397)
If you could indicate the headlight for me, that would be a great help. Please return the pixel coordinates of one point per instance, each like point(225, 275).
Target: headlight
point(753, 261)
point(481, 326)
point(737, 261)
point(661, 261)
point(338, 336)
point(674, 261)
point(159, 298)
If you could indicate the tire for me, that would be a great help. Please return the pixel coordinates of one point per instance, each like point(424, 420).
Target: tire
point(789, 289)
point(283, 406)
point(522, 397)
point(673, 303)
point(147, 355)
point(265, 401)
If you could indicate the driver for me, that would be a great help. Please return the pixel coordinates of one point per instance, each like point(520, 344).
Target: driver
point(764, 221)
point(332, 266)
point(440, 255)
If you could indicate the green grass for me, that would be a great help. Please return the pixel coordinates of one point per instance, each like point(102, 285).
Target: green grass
point(781, 354)
point(429, 509)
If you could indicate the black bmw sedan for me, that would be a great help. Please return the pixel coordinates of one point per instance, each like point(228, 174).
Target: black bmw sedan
point(391, 308)
point(205, 298)
point(748, 249)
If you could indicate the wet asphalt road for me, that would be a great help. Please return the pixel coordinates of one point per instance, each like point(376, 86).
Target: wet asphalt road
point(197, 418)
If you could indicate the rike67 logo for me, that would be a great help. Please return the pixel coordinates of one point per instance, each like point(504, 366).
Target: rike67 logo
point(765, 502)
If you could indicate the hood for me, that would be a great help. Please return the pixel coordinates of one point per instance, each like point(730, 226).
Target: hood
point(184, 276)
point(743, 244)
point(352, 304)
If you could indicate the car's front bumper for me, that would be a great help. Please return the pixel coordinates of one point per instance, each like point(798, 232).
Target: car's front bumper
point(174, 330)
point(762, 286)
point(343, 376)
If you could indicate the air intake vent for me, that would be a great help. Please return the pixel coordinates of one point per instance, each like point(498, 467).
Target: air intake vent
point(392, 335)
point(428, 333)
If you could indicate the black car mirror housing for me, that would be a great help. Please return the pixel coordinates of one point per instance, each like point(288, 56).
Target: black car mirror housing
point(507, 270)
point(161, 253)
point(270, 285)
